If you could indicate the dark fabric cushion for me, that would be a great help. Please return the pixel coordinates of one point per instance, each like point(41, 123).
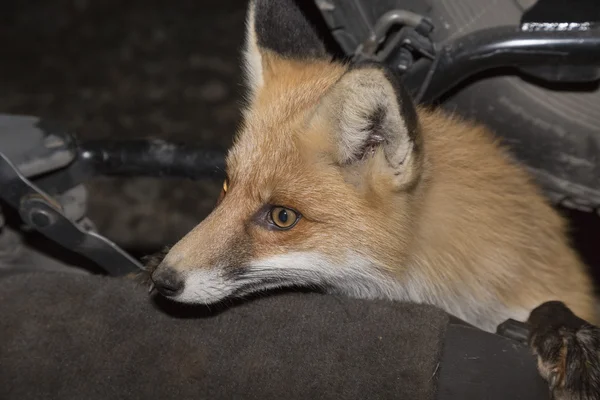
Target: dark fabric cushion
point(68, 336)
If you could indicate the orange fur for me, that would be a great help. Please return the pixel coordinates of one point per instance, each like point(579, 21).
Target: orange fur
point(468, 231)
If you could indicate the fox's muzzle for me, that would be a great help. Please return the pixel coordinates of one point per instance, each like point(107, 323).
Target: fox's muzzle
point(167, 281)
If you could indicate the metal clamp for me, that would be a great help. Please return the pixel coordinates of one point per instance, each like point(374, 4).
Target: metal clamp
point(400, 48)
point(43, 213)
point(515, 330)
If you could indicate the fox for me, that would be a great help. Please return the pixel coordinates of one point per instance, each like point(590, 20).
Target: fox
point(338, 181)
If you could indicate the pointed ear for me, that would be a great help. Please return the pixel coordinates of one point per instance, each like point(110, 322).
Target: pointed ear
point(371, 116)
point(277, 30)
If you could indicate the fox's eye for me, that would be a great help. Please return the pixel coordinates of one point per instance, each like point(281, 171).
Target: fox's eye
point(283, 218)
point(223, 191)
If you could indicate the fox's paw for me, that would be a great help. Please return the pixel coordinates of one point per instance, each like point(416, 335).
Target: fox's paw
point(152, 261)
point(568, 352)
point(143, 277)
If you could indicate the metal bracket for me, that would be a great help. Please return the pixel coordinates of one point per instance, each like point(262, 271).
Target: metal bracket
point(515, 330)
point(405, 49)
point(398, 48)
point(385, 23)
point(498, 47)
point(43, 213)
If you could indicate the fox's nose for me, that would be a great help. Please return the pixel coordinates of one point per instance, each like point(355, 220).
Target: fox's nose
point(167, 281)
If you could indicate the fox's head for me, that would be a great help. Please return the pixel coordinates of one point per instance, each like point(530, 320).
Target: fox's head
point(323, 181)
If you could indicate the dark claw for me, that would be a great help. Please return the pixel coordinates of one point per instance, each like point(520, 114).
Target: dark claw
point(151, 262)
point(553, 380)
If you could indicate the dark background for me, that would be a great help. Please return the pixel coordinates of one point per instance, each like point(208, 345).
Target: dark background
point(127, 69)
point(142, 68)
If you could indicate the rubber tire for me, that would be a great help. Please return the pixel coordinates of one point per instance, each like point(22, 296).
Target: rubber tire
point(556, 133)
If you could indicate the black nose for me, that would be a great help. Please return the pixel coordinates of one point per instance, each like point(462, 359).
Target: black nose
point(167, 281)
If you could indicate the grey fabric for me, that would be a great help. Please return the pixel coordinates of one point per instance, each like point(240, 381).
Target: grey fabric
point(68, 336)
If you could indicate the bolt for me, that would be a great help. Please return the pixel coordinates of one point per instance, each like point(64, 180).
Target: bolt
point(41, 218)
point(402, 66)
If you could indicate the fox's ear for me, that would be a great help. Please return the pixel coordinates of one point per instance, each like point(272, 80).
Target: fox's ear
point(370, 115)
point(276, 31)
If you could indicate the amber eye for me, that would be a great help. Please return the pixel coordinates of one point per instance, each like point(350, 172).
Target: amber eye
point(223, 191)
point(283, 218)
point(225, 185)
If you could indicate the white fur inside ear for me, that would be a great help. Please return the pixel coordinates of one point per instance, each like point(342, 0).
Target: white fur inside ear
point(366, 110)
point(252, 59)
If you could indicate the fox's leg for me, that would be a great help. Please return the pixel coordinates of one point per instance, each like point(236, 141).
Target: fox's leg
point(568, 351)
